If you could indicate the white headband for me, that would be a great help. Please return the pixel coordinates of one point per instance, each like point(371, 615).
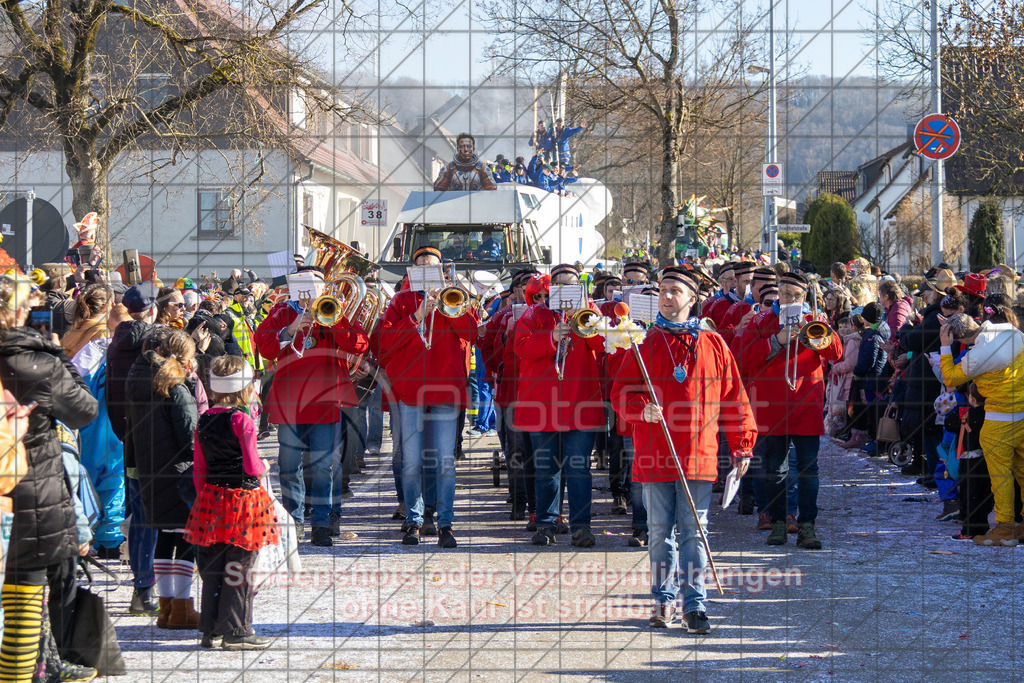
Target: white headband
point(233, 383)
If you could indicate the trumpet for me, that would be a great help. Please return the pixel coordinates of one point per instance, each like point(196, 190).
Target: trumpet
point(582, 325)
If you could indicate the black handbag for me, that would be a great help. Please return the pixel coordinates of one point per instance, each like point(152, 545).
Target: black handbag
point(93, 638)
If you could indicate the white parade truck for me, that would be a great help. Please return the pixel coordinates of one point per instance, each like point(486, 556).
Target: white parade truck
point(499, 231)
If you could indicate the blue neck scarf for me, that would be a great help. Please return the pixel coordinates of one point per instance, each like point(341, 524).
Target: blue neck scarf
point(692, 324)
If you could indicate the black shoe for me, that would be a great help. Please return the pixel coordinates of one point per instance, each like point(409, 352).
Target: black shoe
point(75, 672)
point(412, 535)
point(321, 537)
point(335, 525)
point(545, 536)
point(779, 534)
point(806, 538)
point(447, 538)
point(406, 526)
point(697, 622)
point(639, 539)
point(927, 482)
point(428, 528)
point(583, 538)
point(142, 604)
point(619, 505)
point(399, 512)
point(263, 435)
point(718, 486)
point(518, 514)
point(346, 494)
point(108, 553)
point(252, 642)
point(532, 524)
point(746, 506)
point(210, 642)
point(560, 526)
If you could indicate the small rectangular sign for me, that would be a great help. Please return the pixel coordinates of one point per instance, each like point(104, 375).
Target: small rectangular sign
point(375, 212)
point(772, 180)
point(794, 227)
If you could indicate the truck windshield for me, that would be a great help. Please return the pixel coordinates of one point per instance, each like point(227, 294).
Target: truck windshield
point(470, 244)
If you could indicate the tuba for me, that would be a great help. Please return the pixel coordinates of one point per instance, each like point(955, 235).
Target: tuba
point(335, 257)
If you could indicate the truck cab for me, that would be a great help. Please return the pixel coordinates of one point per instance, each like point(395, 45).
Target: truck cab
point(497, 231)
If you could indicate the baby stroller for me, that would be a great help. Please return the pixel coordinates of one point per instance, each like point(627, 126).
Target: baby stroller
point(900, 450)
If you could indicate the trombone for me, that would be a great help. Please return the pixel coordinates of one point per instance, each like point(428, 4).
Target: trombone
point(452, 302)
point(582, 324)
point(815, 335)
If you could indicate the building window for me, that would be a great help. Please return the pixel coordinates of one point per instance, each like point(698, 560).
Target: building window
point(215, 213)
point(151, 89)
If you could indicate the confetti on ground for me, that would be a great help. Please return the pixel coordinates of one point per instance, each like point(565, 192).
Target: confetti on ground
point(424, 623)
point(942, 552)
point(498, 604)
point(339, 665)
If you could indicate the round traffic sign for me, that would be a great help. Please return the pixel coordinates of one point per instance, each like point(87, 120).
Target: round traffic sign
point(50, 235)
point(937, 137)
point(771, 170)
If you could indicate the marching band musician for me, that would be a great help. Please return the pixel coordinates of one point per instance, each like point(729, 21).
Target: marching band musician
point(309, 389)
point(562, 416)
point(743, 273)
point(716, 307)
point(738, 312)
point(430, 386)
point(788, 415)
point(698, 385)
point(514, 442)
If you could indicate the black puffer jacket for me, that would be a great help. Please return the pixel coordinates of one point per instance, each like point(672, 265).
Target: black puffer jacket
point(161, 430)
point(34, 369)
point(922, 385)
point(125, 348)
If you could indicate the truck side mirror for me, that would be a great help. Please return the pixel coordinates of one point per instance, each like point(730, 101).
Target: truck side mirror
point(396, 249)
point(545, 254)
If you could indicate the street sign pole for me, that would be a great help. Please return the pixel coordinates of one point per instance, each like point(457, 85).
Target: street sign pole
point(937, 237)
point(30, 198)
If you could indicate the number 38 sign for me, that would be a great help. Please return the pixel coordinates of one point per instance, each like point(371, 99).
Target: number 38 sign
point(375, 212)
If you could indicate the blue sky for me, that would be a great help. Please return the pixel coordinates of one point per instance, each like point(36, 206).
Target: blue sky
point(834, 38)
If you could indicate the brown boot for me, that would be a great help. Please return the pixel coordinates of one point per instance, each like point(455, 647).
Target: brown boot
point(183, 615)
point(164, 614)
point(1003, 535)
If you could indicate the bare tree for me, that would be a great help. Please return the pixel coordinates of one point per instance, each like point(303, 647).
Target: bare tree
point(100, 78)
point(682, 64)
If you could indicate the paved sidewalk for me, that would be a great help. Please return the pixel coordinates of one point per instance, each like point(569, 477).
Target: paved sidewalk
point(890, 597)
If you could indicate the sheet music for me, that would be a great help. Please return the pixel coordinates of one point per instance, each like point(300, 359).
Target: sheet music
point(518, 310)
point(426, 278)
point(304, 284)
point(643, 307)
point(281, 263)
point(567, 297)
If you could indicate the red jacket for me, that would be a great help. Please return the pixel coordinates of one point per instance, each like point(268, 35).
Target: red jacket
point(311, 389)
point(490, 346)
point(710, 396)
point(508, 379)
point(543, 402)
point(716, 309)
point(418, 376)
point(779, 409)
point(731, 318)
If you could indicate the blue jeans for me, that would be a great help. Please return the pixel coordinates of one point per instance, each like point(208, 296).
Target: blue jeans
point(777, 471)
point(396, 451)
point(428, 448)
point(558, 454)
point(375, 420)
point(319, 441)
point(677, 555)
point(636, 489)
point(485, 416)
point(141, 539)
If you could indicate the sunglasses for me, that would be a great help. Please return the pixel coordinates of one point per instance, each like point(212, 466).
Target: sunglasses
point(636, 281)
point(176, 304)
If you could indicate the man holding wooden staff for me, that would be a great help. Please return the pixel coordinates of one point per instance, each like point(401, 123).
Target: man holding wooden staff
point(696, 387)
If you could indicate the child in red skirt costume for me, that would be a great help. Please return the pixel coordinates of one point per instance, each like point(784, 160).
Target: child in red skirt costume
point(233, 516)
